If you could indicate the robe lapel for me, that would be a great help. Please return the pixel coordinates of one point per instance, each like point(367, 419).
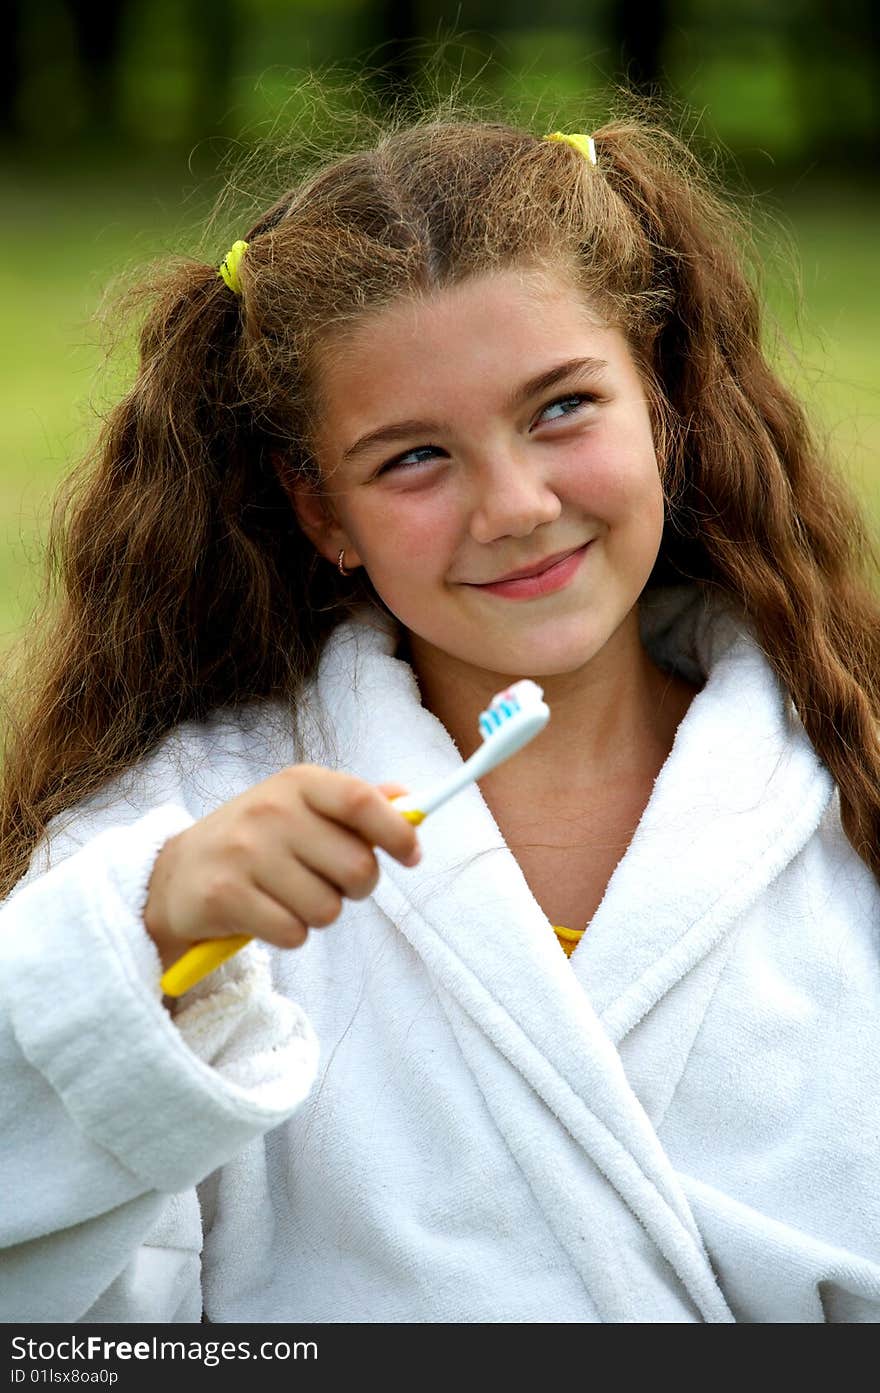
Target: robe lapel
point(549, 1072)
point(550, 1076)
point(739, 796)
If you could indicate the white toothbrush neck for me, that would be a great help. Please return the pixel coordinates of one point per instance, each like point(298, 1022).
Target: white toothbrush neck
point(506, 741)
point(480, 762)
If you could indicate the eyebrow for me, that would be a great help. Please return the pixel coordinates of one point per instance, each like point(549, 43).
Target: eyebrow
point(402, 430)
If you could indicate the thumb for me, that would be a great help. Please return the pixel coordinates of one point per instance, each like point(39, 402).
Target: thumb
point(392, 790)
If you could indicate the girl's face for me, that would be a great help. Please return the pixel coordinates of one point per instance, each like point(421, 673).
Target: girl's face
point(478, 432)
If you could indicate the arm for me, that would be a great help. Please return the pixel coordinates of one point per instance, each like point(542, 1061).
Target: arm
point(112, 1110)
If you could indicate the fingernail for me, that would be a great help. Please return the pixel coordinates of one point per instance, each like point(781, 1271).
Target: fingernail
point(414, 858)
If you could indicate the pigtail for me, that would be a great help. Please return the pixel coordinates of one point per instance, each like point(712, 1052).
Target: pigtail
point(173, 548)
point(754, 508)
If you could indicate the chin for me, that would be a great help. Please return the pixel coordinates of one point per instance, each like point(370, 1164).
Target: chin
point(536, 660)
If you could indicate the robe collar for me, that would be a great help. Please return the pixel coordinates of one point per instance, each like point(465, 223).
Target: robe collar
point(739, 795)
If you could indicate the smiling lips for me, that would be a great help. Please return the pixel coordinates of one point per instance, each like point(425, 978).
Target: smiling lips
point(555, 575)
point(535, 570)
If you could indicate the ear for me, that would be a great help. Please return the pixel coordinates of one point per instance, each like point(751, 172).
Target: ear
point(317, 520)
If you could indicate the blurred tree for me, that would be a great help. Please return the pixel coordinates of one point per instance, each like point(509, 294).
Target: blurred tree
point(401, 38)
point(10, 71)
point(216, 25)
point(835, 46)
point(89, 45)
point(392, 27)
point(98, 30)
point(798, 76)
point(639, 30)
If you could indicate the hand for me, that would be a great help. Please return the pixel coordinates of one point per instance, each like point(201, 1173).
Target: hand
point(275, 861)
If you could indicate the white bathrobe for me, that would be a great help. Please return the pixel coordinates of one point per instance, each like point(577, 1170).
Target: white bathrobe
point(428, 1113)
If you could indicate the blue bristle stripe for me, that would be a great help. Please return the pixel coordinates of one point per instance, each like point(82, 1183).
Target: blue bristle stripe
point(495, 717)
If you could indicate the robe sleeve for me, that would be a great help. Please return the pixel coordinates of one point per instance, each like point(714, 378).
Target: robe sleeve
point(112, 1108)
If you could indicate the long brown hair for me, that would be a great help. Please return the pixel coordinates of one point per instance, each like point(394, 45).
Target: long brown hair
point(185, 583)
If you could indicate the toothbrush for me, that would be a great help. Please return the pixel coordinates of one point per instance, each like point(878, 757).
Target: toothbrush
point(513, 718)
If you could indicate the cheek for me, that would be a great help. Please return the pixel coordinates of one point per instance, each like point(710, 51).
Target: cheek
point(620, 489)
point(408, 532)
point(623, 460)
point(618, 477)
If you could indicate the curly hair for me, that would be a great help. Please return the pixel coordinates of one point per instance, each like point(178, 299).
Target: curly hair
point(185, 582)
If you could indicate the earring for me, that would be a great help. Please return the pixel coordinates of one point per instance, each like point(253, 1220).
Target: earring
point(342, 570)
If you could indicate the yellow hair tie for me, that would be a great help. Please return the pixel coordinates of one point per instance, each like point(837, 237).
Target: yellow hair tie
point(230, 264)
point(583, 143)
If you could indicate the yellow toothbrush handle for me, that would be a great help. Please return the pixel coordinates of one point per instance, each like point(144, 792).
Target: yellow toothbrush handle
point(198, 961)
point(203, 958)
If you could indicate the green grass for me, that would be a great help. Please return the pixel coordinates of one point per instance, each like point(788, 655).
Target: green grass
point(68, 233)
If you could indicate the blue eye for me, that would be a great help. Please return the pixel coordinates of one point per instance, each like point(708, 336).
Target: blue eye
point(579, 398)
point(419, 450)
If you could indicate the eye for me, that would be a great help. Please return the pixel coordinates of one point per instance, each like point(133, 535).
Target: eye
point(399, 459)
point(579, 399)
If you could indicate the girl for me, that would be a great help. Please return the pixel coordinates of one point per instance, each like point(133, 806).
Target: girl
point(292, 581)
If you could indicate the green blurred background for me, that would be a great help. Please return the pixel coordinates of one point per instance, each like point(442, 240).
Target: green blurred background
point(118, 121)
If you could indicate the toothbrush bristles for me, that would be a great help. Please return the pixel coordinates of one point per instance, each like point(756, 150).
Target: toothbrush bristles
point(496, 716)
point(514, 717)
point(504, 705)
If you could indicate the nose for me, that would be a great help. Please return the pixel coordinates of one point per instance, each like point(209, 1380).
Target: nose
point(511, 497)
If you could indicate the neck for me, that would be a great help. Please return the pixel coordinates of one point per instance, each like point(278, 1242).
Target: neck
point(613, 719)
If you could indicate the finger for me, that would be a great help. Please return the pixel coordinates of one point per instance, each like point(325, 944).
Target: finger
point(365, 810)
point(392, 790)
point(275, 924)
point(232, 905)
point(330, 851)
point(295, 888)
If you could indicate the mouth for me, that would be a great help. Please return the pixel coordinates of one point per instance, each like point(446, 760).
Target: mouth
point(554, 576)
point(537, 569)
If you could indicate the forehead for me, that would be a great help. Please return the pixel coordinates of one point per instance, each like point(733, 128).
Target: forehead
point(494, 324)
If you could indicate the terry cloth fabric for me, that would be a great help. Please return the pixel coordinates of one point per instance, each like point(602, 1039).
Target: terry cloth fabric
point(428, 1113)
